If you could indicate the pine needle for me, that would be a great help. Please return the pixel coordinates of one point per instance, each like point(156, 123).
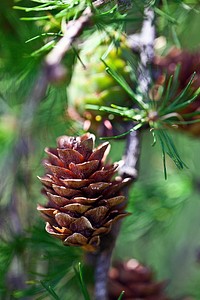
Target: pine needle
point(50, 290)
point(121, 295)
point(121, 81)
point(79, 274)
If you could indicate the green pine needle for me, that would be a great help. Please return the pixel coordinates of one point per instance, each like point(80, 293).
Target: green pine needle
point(169, 90)
point(121, 81)
point(44, 48)
point(79, 274)
point(121, 295)
point(50, 290)
point(165, 15)
point(124, 112)
point(166, 97)
point(136, 127)
point(193, 114)
point(54, 34)
point(179, 99)
point(169, 148)
point(181, 105)
point(35, 18)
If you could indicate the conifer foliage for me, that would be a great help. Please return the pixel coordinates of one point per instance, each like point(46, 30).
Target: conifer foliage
point(119, 69)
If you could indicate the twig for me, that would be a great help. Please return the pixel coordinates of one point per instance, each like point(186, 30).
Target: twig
point(53, 68)
point(146, 51)
point(124, 5)
point(73, 29)
point(129, 167)
point(144, 44)
point(130, 162)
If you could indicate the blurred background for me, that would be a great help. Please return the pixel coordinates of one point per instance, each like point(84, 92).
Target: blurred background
point(163, 230)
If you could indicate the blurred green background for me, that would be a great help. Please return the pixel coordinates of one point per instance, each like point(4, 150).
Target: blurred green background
point(164, 228)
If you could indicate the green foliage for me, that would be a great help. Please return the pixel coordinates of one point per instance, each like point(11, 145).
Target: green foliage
point(158, 114)
point(165, 215)
point(52, 15)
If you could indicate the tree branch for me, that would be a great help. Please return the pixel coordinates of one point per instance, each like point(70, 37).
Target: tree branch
point(144, 44)
point(129, 165)
point(124, 5)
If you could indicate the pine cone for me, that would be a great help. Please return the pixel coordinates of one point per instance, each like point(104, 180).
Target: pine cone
point(190, 63)
point(84, 201)
point(136, 281)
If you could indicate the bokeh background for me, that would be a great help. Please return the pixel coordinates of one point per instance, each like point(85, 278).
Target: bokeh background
point(163, 230)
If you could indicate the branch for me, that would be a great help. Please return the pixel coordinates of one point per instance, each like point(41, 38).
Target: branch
point(53, 68)
point(144, 44)
point(124, 5)
point(129, 165)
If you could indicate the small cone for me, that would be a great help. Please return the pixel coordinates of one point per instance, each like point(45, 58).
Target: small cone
point(83, 199)
point(136, 281)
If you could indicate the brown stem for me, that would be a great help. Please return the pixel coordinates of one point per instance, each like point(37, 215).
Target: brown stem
point(103, 261)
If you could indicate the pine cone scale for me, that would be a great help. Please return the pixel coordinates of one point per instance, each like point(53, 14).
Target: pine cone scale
point(83, 200)
point(55, 160)
point(104, 174)
point(65, 192)
point(60, 172)
point(58, 200)
point(76, 239)
point(99, 153)
point(76, 183)
point(97, 215)
point(85, 169)
point(75, 208)
point(60, 233)
point(112, 202)
point(64, 220)
point(94, 189)
point(69, 155)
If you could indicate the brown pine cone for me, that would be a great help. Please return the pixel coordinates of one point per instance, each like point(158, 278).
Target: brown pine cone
point(84, 201)
point(136, 281)
point(189, 63)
